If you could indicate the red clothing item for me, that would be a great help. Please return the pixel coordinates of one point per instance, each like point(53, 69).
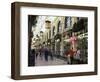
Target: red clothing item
point(73, 40)
point(71, 53)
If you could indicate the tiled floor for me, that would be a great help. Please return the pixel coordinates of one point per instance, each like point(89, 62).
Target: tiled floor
point(41, 61)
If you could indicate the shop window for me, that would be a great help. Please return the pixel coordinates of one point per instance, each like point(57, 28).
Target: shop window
point(68, 22)
point(65, 22)
point(59, 29)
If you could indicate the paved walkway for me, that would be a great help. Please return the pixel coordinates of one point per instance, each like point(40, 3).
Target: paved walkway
point(56, 61)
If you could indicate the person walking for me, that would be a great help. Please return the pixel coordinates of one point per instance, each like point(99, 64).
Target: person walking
point(50, 54)
point(41, 53)
point(73, 41)
point(70, 56)
point(32, 58)
point(77, 56)
point(46, 54)
point(37, 53)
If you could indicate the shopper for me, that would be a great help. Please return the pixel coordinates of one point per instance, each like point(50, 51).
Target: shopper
point(70, 56)
point(77, 56)
point(32, 58)
point(73, 41)
point(46, 53)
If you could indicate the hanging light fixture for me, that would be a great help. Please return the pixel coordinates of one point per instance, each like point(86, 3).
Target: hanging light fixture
point(41, 33)
point(47, 24)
